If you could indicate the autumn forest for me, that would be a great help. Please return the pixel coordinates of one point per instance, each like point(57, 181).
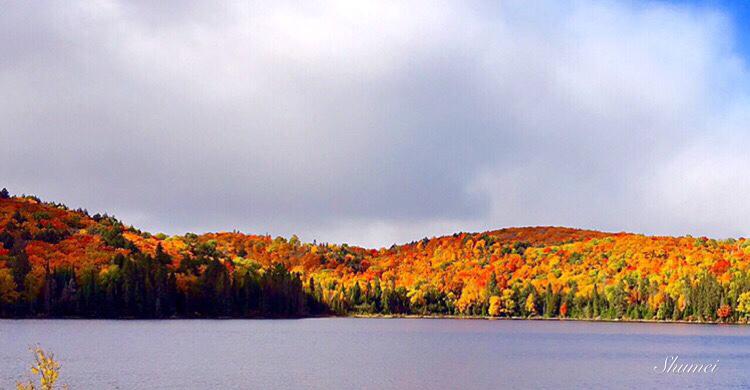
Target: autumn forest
point(57, 262)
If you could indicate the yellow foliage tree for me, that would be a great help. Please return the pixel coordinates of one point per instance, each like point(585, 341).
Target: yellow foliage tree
point(495, 306)
point(508, 302)
point(46, 368)
point(743, 304)
point(530, 306)
point(470, 295)
point(8, 293)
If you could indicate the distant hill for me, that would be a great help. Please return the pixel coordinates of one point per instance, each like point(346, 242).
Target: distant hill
point(60, 262)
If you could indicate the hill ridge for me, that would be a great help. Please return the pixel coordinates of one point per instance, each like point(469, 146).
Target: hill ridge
point(55, 261)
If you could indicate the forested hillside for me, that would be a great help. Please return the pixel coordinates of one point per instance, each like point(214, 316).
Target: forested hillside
point(56, 262)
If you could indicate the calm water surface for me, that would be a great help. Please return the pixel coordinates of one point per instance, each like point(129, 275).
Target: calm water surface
point(346, 353)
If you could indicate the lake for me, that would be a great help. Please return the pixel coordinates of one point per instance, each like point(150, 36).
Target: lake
point(350, 353)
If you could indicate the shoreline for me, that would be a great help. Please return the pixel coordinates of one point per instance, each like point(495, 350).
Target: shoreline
point(396, 317)
point(560, 319)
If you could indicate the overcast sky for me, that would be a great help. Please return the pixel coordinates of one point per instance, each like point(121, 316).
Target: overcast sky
point(377, 122)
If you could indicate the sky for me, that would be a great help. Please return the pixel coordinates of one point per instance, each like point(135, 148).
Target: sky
point(378, 122)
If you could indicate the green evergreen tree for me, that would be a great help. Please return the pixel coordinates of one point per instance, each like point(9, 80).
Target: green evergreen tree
point(355, 295)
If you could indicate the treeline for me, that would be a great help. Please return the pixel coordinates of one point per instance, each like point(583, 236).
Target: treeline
point(204, 285)
point(144, 286)
point(708, 300)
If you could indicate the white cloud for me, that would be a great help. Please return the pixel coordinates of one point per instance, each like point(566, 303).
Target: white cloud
point(702, 190)
point(375, 122)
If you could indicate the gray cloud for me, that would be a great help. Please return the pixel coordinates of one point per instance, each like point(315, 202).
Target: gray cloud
point(376, 122)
